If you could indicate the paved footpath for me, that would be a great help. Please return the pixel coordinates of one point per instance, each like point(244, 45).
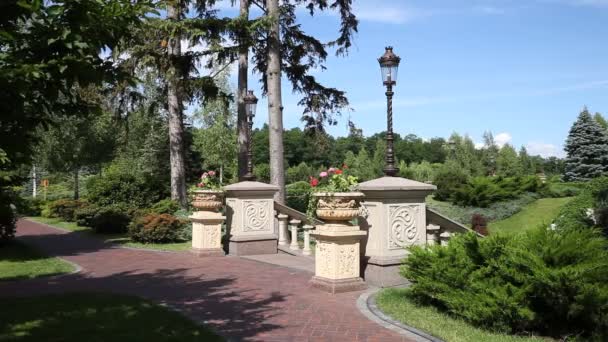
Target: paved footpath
point(240, 299)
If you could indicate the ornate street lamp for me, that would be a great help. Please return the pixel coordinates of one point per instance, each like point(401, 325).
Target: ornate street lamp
point(389, 63)
point(250, 105)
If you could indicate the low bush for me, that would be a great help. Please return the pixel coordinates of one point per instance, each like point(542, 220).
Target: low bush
point(84, 216)
point(156, 228)
point(448, 180)
point(559, 189)
point(588, 209)
point(165, 206)
point(479, 224)
point(298, 194)
point(483, 191)
point(8, 221)
point(110, 220)
point(550, 282)
point(65, 208)
point(120, 188)
point(29, 206)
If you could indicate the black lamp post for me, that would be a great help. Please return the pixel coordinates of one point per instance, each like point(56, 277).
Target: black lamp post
point(250, 105)
point(389, 63)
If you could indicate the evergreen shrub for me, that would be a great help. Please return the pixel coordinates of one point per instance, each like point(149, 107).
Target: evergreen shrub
point(165, 206)
point(549, 282)
point(156, 228)
point(121, 188)
point(84, 216)
point(448, 180)
point(110, 220)
point(29, 206)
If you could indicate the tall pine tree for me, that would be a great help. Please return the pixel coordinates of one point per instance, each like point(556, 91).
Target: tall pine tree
point(587, 148)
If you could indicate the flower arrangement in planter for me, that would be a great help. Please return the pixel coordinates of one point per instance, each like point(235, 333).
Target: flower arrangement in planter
point(333, 197)
point(208, 195)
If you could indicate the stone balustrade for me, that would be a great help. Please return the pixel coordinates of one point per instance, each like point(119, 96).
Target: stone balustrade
point(294, 231)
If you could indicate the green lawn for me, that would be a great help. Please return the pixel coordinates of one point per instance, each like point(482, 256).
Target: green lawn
point(19, 261)
point(542, 211)
point(121, 239)
point(94, 317)
point(395, 303)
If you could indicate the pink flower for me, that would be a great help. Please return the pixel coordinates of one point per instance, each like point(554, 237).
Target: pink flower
point(331, 170)
point(323, 174)
point(200, 185)
point(211, 173)
point(205, 175)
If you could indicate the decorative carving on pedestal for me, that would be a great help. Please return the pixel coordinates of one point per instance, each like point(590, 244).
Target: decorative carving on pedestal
point(348, 261)
point(403, 226)
point(323, 259)
point(256, 216)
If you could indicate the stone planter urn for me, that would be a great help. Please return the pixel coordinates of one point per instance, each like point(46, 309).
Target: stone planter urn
point(207, 200)
point(338, 207)
point(207, 222)
point(337, 251)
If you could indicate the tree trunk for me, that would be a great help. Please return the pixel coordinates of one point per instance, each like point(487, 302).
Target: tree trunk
point(34, 183)
point(275, 107)
point(76, 185)
point(176, 123)
point(242, 91)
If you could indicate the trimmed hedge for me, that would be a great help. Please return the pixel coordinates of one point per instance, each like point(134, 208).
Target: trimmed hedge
point(549, 282)
point(110, 220)
point(156, 228)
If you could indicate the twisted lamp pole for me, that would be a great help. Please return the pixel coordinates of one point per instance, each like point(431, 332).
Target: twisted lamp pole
point(250, 105)
point(389, 64)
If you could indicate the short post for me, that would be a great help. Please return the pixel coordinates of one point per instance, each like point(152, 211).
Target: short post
point(282, 229)
point(445, 238)
point(207, 224)
point(432, 234)
point(294, 234)
point(307, 228)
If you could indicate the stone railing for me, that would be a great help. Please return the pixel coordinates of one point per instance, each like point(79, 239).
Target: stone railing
point(439, 228)
point(294, 230)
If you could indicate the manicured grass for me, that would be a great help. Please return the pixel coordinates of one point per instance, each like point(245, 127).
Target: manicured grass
point(19, 261)
point(396, 304)
point(540, 212)
point(121, 239)
point(94, 317)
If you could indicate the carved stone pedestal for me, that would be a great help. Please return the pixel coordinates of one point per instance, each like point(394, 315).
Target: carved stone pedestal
point(250, 218)
point(337, 258)
point(396, 219)
point(207, 233)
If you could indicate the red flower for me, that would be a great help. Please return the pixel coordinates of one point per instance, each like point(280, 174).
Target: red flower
point(338, 171)
point(200, 185)
point(314, 182)
point(344, 166)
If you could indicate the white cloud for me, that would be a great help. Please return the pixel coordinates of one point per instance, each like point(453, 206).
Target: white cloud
point(387, 14)
point(502, 139)
point(544, 149)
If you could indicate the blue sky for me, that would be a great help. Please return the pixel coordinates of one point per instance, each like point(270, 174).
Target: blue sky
point(521, 69)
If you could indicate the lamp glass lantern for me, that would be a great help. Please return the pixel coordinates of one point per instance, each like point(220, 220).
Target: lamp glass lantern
point(389, 65)
point(251, 103)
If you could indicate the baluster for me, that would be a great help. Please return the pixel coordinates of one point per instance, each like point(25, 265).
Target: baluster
point(307, 228)
point(294, 234)
point(432, 234)
point(445, 237)
point(283, 229)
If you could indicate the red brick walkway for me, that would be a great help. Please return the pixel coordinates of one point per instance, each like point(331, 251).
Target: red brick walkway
point(241, 299)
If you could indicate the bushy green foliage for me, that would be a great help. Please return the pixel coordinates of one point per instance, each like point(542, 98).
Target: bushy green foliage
point(299, 173)
point(262, 172)
point(156, 228)
point(587, 148)
point(84, 216)
point(65, 208)
point(8, 220)
point(448, 179)
point(110, 219)
point(551, 282)
point(29, 206)
point(560, 189)
point(165, 206)
point(298, 195)
point(483, 191)
point(124, 188)
point(588, 208)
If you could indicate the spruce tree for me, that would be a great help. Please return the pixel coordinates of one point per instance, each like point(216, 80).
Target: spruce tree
point(601, 120)
point(587, 148)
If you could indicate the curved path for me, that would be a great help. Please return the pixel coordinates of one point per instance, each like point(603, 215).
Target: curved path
point(240, 299)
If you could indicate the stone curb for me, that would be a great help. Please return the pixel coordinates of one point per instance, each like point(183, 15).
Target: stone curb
point(366, 303)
